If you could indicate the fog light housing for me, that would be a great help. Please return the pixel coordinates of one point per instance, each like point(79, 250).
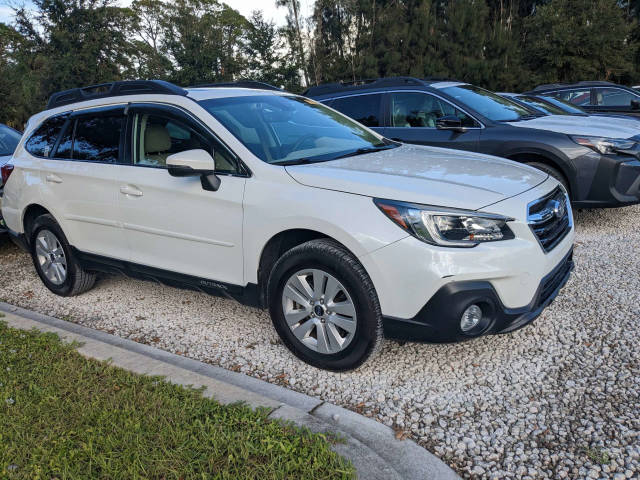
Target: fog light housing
point(470, 318)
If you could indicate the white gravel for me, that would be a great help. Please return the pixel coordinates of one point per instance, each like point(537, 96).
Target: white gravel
point(558, 399)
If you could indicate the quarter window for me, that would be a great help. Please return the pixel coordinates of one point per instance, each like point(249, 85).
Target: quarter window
point(362, 108)
point(41, 143)
point(414, 109)
point(158, 136)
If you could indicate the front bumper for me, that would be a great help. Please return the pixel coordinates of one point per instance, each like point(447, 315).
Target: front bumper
point(609, 181)
point(439, 320)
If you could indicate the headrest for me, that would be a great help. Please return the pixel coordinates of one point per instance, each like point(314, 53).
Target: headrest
point(156, 139)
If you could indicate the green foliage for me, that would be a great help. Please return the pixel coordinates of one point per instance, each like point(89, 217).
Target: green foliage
point(506, 45)
point(64, 416)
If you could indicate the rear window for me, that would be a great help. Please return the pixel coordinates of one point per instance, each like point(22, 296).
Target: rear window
point(9, 140)
point(41, 143)
point(92, 138)
point(362, 108)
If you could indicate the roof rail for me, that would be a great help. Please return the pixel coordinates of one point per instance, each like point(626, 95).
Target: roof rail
point(363, 84)
point(114, 89)
point(588, 83)
point(239, 84)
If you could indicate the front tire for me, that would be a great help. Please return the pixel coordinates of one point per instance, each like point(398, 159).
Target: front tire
point(54, 261)
point(324, 306)
point(553, 172)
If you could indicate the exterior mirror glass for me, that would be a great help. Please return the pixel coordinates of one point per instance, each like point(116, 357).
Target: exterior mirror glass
point(450, 122)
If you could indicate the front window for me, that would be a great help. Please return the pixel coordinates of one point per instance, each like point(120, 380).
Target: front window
point(362, 108)
point(489, 105)
point(413, 109)
point(284, 129)
point(9, 140)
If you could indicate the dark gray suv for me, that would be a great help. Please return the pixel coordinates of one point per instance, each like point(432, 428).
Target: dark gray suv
point(598, 165)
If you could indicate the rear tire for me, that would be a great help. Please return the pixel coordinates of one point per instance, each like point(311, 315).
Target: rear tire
point(54, 261)
point(554, 172)
point(336, 323)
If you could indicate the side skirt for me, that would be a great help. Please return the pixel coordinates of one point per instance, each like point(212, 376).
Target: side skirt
point(247, 295)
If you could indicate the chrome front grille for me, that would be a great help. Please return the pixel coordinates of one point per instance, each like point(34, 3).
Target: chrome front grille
point(550, 218)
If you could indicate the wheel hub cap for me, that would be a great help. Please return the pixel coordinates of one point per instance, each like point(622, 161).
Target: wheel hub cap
point(51, 257)
point(319, 311)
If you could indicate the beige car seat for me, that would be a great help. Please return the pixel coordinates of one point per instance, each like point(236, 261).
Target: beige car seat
point(157, 143)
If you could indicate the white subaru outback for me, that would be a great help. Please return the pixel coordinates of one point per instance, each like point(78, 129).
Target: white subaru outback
point(282, 203)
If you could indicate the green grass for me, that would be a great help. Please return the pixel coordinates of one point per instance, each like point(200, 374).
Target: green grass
point(65, 417)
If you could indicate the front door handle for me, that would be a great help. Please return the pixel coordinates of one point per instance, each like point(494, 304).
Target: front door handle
point(51, 178)
point(129, 190)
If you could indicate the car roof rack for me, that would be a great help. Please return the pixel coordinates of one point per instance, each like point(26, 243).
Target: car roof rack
point(364, 84)
point(239, 84)
point(588, 83)
point(114, 89)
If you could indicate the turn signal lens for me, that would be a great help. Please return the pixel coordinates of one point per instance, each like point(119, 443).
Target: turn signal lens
point(6, 170)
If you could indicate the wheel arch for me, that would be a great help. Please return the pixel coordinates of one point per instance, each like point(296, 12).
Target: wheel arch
point(280, 243)
point(30, 213)
point(528, 156)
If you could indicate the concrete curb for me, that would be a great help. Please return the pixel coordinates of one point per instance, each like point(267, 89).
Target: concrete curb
point(370, 445)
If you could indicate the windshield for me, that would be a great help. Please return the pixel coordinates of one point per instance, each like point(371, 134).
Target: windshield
point(9, 140)
point(540, 105)
point(286, 129)
point(490, 105)
point(566, 106)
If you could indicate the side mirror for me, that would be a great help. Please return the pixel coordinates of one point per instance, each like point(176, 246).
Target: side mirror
point(635, 104)
point(194, 163)
point(450, 122)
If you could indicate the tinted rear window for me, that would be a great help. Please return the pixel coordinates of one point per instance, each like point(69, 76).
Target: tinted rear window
point(9, 140)
point(98, 138)
point(362, 108)
point(43, 140)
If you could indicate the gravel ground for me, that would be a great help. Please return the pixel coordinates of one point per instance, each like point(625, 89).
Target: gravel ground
point(558, 399)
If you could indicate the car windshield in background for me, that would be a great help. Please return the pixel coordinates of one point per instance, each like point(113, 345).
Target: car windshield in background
point(492, 106)
point(287, 129)
point(540, 105)
point(566, 106)
point(9, 140)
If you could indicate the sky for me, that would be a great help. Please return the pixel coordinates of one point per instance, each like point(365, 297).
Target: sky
point(245, 7)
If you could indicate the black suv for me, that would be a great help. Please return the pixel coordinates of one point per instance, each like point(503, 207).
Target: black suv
point(598, 168)
point(594, 97)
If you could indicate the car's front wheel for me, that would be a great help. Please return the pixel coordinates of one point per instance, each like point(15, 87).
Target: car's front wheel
point(54, 261)
point(324, 306)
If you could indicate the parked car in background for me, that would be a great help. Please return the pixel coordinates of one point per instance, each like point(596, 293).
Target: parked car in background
point(594, 97)
point(554, 106)
point(282, 203)
point(597, 164)
point(9, 139)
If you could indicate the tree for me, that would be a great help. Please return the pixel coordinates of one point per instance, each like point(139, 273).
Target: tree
point(294, 34)
point(570, 40)
point(149, 21)
point(203, 39)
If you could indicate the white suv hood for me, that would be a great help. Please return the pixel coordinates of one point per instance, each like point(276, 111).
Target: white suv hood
point(426, 175)
point(610, 127)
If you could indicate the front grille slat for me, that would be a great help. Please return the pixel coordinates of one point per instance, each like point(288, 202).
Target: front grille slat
point(550, 219)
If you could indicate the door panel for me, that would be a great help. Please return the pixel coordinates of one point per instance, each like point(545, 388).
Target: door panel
point(80, 188)
point(173, 223)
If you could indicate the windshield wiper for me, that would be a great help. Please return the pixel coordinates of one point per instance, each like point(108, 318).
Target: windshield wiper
point(362, 151)
point(293, 161)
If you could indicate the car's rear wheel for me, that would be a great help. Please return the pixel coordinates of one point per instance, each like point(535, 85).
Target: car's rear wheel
point(324, 306)
point(54, 261)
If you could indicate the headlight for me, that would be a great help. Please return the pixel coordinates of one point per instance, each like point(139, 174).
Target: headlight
point(444, 226)
point(604, 145)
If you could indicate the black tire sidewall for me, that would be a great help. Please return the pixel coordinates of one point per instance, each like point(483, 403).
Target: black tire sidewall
point(555, 173)
point(46, 222)
point(367, 315)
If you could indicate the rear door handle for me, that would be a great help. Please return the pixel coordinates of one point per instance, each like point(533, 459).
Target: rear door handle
point(129, 190)
point(51, 178)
